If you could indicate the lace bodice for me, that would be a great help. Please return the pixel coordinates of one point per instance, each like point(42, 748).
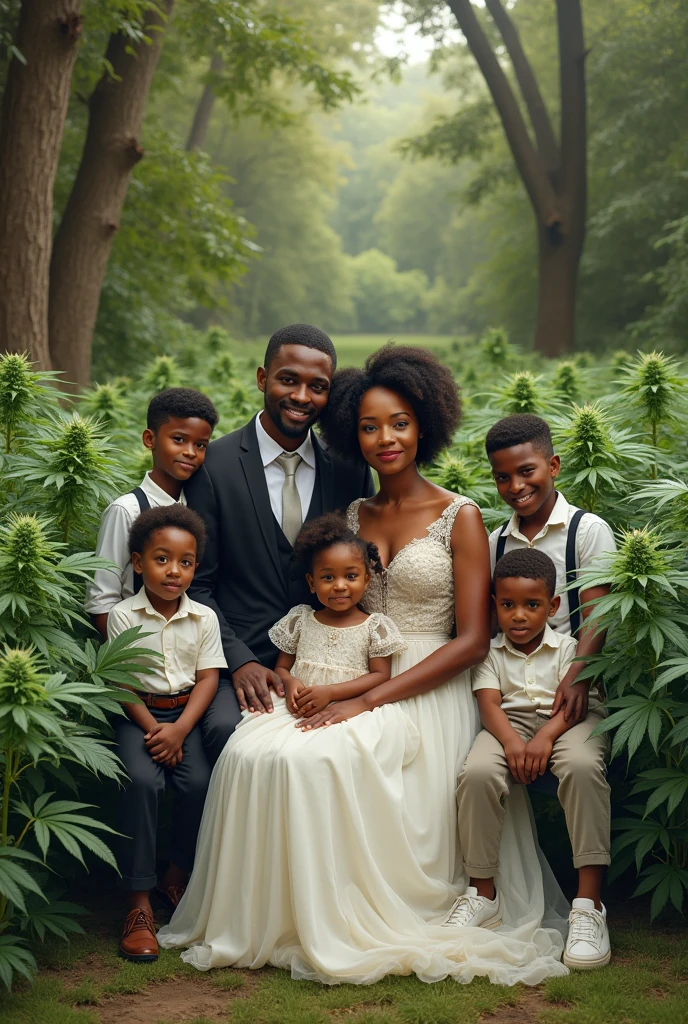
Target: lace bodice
point(330, 654)
point(416, 590)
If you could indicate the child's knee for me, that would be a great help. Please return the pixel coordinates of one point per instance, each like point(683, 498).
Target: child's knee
point(477, 776)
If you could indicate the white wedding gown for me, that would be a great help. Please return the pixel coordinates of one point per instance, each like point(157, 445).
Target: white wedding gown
point(334, 853)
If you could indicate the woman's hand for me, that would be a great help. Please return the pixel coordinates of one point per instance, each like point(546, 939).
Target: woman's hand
point(292, 687)
point(342, 711)
point(313, 699)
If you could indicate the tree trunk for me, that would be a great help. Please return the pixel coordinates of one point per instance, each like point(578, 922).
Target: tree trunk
point(33, 115)
point(558, 259)
point(554, 177)
point(199, 127)
point(84, 239)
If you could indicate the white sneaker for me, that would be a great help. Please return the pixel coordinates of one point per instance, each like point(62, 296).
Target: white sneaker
point(588, 943)
point(473, 911)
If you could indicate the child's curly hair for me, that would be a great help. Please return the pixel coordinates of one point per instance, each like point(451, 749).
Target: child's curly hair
point(326, 531)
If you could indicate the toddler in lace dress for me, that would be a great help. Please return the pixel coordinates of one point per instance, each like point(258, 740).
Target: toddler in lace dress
point(337, 652)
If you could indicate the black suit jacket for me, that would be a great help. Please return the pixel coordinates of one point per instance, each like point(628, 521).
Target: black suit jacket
point(245, 575)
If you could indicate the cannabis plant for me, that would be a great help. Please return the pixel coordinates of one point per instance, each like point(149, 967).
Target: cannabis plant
point(644, 665)
point(654, 391)
point(48, 721)
point(72, 469)
point(599, 459)
point(23, 395)
point(163, 373)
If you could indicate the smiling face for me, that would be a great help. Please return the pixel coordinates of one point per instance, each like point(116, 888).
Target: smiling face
point(296, 387)
point(523, 607)
point(388, 431)
point(179, 446)
point(168, 563)
point(338, 577)
point(525, 477)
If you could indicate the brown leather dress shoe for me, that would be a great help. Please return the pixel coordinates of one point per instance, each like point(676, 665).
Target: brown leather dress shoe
point(170, 895)
point(138, 942)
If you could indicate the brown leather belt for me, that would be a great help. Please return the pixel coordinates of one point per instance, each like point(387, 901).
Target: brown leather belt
point(157, 700)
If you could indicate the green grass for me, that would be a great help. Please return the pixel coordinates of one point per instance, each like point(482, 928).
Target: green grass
point(352, 349)
point(646, 984)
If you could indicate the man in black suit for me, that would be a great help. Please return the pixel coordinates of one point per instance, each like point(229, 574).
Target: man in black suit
point(257, 486)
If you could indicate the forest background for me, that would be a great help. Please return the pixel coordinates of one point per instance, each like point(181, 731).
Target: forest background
point(309, 181)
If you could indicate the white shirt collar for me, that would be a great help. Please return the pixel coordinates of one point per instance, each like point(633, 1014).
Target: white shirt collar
point(153, 490)
point(549, 639)
point(271, 450)
point(141, 602)
point(559, 516)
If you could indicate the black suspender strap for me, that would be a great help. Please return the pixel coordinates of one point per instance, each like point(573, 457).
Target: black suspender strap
point(571, 567)
point(144, 504)
point(501, 541)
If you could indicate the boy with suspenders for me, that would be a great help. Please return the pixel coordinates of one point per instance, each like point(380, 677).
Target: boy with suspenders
point(524, 468)
point(179, 425)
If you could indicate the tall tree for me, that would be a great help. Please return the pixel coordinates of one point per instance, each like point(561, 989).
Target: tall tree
point(33, 115)
point(91, 218)
point(554, 174)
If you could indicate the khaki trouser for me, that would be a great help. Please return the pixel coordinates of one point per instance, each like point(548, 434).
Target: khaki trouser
point(485, 781)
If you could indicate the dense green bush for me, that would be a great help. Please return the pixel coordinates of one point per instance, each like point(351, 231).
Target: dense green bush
point(56, 687)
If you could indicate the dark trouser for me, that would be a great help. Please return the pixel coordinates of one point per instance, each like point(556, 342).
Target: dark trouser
point(220, 720)
point(140, 801)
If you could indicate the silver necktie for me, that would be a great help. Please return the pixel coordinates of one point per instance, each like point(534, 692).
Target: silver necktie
point(292, 516)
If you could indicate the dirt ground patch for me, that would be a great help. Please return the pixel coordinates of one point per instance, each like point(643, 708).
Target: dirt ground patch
point(524, 1012)
point(174, 1001)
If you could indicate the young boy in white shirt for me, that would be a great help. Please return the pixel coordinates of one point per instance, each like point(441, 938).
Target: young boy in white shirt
point(160, 740)
point(525, 468)
point(522, 735)
point(179, 424)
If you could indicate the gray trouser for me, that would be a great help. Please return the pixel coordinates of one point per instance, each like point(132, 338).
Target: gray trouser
point(140, 801)
point(485, 781)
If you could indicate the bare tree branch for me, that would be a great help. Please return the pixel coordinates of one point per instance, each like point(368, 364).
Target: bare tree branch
point(528, 162)
point(537, 111)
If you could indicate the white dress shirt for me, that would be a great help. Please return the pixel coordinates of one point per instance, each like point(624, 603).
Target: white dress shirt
point(593, 538)
point(274, 474)
point(110, 586)
point(527, 682)
point(189, 641)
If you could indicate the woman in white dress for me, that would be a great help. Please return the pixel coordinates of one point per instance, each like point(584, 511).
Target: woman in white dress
point(332, 851)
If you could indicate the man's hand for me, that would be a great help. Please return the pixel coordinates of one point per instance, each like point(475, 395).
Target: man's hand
point(538, 753)
point(251, 683)
point(312, 699)
point(515, 753)
point(292, 687)
point(164, 743)
point(572, 698)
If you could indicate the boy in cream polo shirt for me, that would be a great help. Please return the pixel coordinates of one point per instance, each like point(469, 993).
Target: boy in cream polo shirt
point(159, 741)
point(515, 688)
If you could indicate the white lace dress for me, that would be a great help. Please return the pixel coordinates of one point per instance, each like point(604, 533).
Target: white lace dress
point(333, 853)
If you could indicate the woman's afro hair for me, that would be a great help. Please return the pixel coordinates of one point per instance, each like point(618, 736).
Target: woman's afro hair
point(527, 563)
point(178, 516)
point(414, 373)
point(326, 531)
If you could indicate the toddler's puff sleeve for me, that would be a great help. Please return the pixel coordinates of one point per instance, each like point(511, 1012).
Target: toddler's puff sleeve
point(385, 638)
point(285, 633)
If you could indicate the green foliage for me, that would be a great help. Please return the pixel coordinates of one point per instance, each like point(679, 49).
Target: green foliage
point(56, 689)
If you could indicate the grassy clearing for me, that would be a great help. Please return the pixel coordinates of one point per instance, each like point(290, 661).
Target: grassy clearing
point(85, 983)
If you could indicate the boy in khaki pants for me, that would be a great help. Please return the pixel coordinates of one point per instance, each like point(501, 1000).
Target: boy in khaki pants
point(515, 688)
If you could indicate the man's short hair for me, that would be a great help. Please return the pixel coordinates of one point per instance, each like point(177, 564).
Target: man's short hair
point(182, 404)
point(300, 334)
point(521, 428)
point(527, 563)
point(162, 516)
